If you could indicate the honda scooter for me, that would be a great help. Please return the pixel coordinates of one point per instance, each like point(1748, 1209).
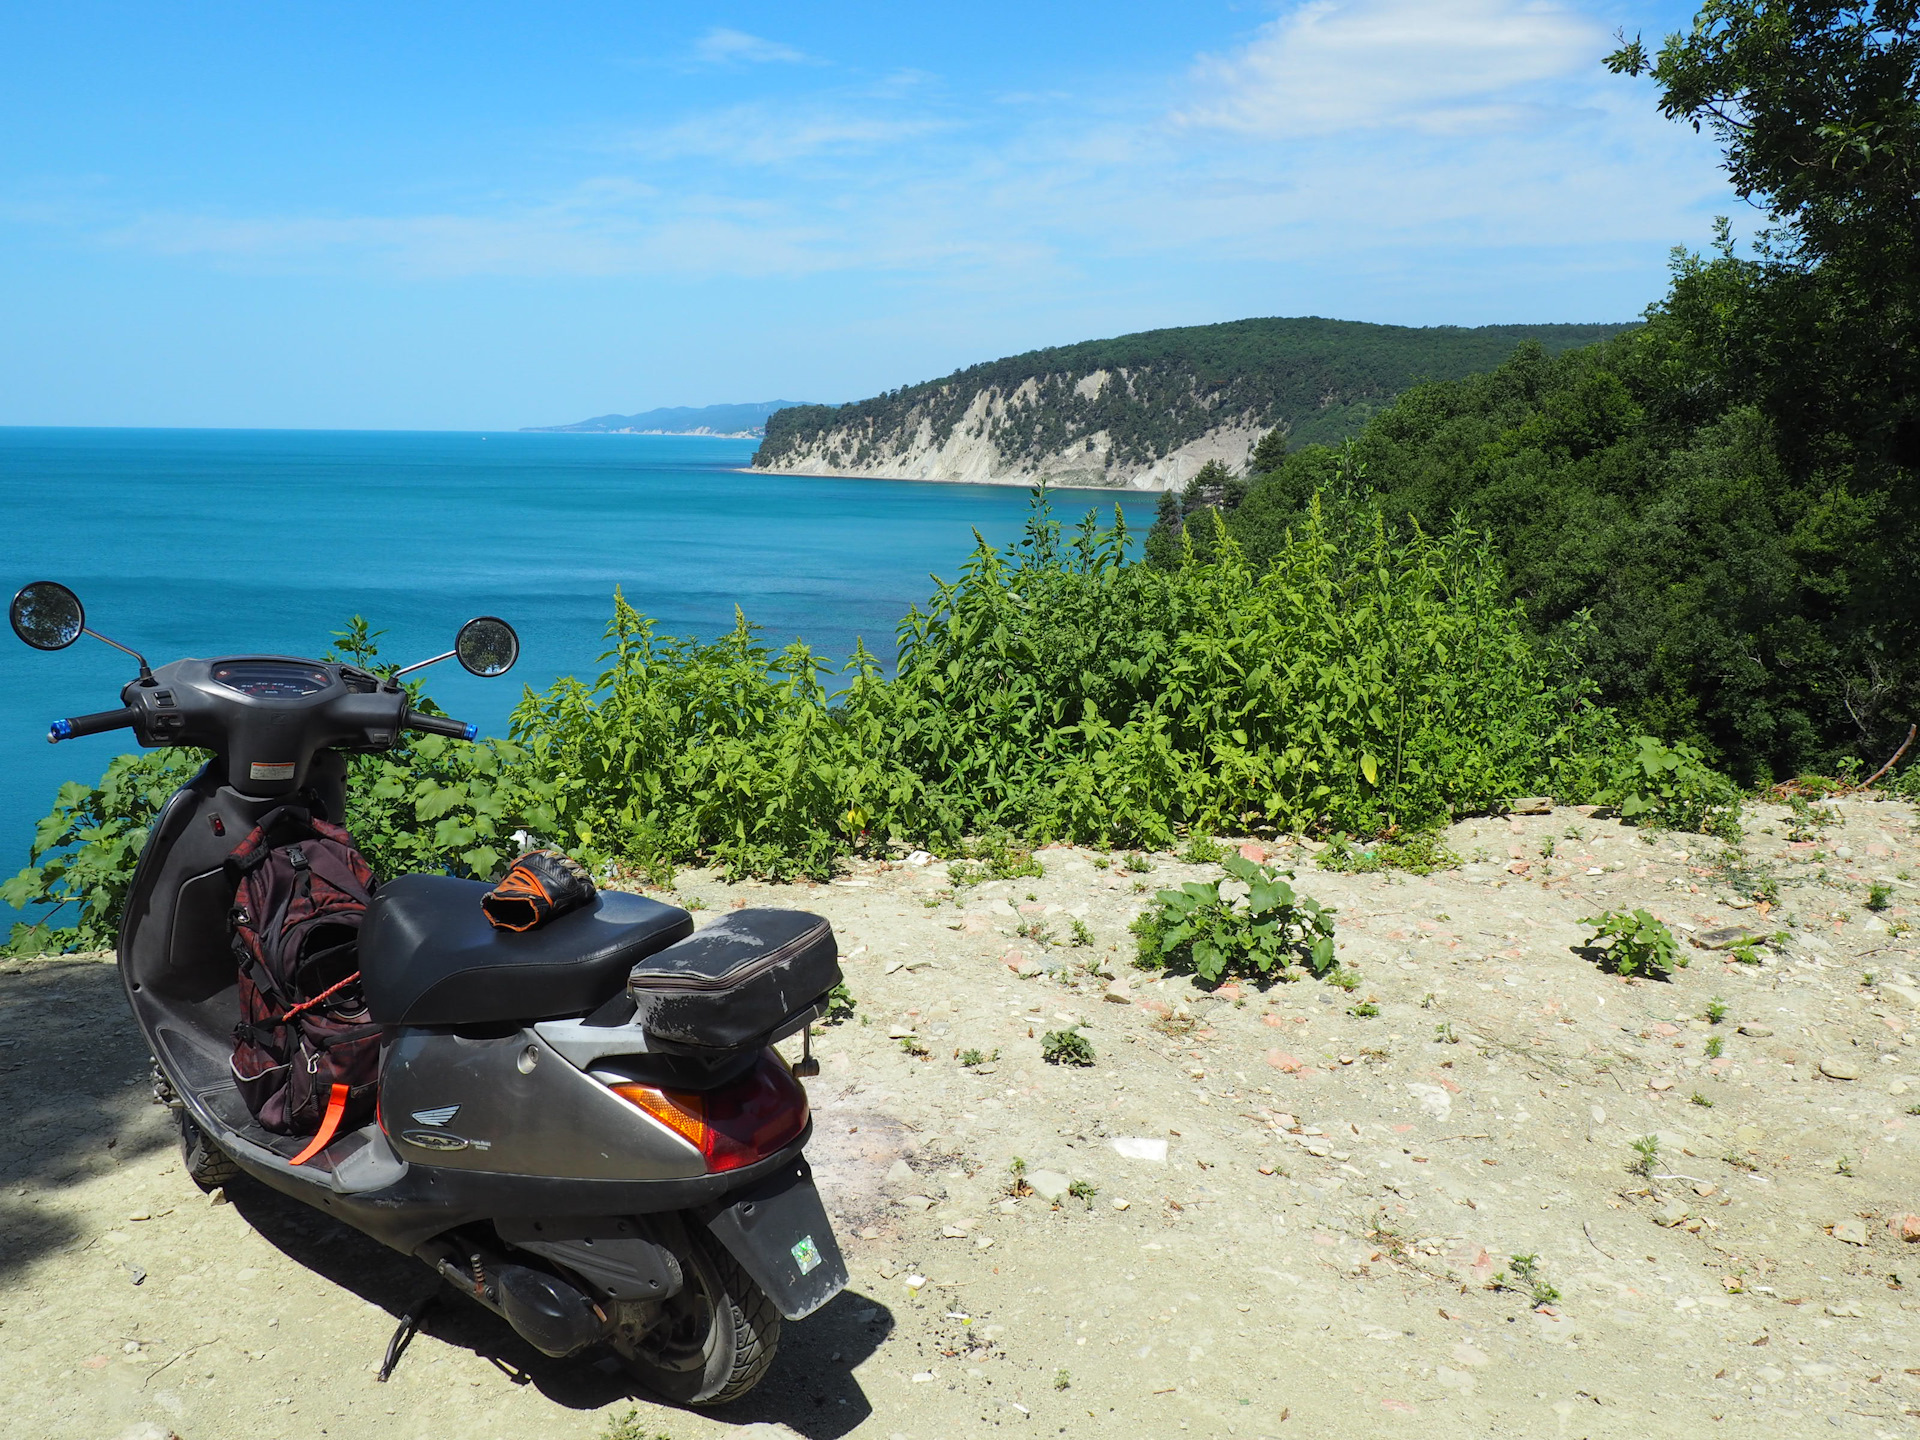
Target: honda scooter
point(583, 1127)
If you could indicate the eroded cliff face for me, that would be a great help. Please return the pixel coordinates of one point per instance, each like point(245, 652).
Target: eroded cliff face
point(1022, 437)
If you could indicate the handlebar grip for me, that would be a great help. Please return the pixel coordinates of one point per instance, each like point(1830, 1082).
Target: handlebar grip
point(440, 725)
point(97, 723)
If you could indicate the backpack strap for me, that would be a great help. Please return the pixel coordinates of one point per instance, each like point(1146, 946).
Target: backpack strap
point(330, 1122)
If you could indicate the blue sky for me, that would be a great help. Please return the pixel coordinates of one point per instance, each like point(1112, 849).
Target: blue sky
point(481, 215)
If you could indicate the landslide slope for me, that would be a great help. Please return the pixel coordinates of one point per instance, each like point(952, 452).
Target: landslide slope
point(1142, 411)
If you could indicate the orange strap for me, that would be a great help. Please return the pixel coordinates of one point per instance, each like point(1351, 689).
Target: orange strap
point(330, 1122)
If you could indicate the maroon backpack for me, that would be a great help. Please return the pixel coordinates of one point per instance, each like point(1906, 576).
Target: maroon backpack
point(306, 1058)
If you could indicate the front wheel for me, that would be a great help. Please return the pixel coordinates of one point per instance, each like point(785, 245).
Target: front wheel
point(206, 1164)
point(713, 1341)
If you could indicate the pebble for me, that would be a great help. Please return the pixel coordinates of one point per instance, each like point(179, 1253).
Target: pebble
point(952, 1232)
point(1049, 1185)
point(1906, 1227)
point(1847, 1312)
point(1671, 1214)
point(1756, 1030)
point(1120, 1204)
point(1835, 1068)
point(1851, 1232)
point(1660, 1082)
point(915, 1202)
point(1905, 994)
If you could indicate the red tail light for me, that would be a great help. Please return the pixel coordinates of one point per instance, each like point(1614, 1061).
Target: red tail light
point(736, 1125)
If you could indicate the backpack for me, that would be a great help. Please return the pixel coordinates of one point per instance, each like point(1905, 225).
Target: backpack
point(306, 1057)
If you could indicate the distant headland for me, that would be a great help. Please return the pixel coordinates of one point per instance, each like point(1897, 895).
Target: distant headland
point(732, 422)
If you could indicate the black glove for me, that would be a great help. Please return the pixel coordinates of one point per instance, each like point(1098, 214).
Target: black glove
point(541, 885)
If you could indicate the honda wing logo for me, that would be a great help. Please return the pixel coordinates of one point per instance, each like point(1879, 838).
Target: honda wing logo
point(438, 1116)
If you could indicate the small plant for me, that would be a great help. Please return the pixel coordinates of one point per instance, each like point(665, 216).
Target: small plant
point(1879, 895)
point(994, 858)
point(694, 902)
point(1066, 1047)
point(1702, 1101)
point(1366, 1010)
point(1017, 1185)
point(1345, 979)
point(1574, 833)
point(1526, 1269)
point(1546, 848)
point(1035, 931)
point(1745, 954)
point(971, 1058)
point(911, 1045)
point(1913, 1109)
point(630, 1427)
point(1419, 853)
point(1138, 862)
point(1082, 936)
point(840, 1005)
point(1843, 1166)
point(1646, 1154)
point(1061, 1380)
point(1715, 1044)
point(1443, 1032)
point(1203, 850)
point(1716, 1010)
point(1083, 1190)
point(1636, 943)
point(1252, 920)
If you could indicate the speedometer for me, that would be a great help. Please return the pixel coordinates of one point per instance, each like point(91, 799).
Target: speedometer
point(272, 679)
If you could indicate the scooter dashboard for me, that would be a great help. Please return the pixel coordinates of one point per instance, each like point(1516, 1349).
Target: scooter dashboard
point(271, 679)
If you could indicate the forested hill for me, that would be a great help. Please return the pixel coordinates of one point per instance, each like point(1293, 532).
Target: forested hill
point(1145, 410)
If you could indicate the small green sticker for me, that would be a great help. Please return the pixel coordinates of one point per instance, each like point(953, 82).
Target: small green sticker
point(806, 1254)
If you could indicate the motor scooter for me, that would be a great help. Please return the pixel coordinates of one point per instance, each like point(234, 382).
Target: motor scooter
point(583, 1127)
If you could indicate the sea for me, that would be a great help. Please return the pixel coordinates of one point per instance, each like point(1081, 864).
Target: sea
point(222, 542)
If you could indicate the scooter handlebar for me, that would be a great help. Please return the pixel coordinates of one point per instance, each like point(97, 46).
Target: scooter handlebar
point(440, 725)
point(97, 723)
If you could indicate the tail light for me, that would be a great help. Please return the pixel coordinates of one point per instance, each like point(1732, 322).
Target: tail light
point(750, 1119)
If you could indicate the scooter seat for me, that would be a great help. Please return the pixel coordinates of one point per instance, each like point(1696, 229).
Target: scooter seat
point(429, 956)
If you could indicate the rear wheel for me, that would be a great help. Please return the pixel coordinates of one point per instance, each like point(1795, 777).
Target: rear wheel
point(206, 1164)
point(713, 1341)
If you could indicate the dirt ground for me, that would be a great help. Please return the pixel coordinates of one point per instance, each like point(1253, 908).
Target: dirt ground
point(1302, 1219)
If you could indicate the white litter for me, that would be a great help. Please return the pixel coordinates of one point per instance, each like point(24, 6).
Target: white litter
point(1134, 1148)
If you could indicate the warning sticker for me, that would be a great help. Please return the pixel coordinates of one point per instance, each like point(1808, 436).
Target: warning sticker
point(262, 770)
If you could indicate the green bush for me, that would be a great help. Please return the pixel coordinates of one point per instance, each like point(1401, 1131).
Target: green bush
point(1363, 682)
point(1066, 1047)
point(1250, 922)
point(84, 852)
point(1671, 786)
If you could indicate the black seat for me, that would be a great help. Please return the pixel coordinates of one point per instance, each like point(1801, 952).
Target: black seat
point(428, 955)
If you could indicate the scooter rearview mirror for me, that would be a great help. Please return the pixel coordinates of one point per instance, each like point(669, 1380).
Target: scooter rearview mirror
point(47, 615)
point(487, 646)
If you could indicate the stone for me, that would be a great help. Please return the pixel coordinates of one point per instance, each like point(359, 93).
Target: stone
point(1846, 1312)
point(1836, 1068)
point(1530, 805)
point(1756, 1030)
point(1726, 938)
point(1660, 1082)
point(1671, 1214)
point(1905, 1227)
point(1049, 1185)
point(1908, 995)
point(1850, 1232)
point(1137, 1148)
point(1120, 1204)
point(915, 1202)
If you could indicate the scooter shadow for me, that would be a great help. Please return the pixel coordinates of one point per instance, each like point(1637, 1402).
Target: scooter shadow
point(810, 1388)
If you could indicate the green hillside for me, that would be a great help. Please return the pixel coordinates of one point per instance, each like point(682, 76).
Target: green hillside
point(1323, 379)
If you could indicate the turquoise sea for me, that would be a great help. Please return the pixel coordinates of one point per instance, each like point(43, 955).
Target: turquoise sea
point(210, 542)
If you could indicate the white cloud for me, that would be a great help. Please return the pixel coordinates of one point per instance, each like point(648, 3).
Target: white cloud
point(768, 134)
point(721, 46)
point(1437, 66)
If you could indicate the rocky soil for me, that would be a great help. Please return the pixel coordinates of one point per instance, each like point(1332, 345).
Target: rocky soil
point(1287, 1215)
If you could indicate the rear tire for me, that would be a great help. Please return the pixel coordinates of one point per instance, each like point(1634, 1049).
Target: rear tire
point(206, 1164)
point(714, 1341)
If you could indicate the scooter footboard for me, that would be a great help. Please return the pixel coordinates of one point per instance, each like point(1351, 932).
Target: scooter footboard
point(779, 1232)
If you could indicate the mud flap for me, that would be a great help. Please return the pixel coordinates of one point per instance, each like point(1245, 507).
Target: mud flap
point(779, 1232)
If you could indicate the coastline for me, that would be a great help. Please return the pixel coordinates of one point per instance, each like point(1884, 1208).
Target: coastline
point(1031, 482)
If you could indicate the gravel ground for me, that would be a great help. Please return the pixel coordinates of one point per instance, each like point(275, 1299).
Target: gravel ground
point(1302, 1219)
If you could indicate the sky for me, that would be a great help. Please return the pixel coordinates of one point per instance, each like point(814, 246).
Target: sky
point(482, 215)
